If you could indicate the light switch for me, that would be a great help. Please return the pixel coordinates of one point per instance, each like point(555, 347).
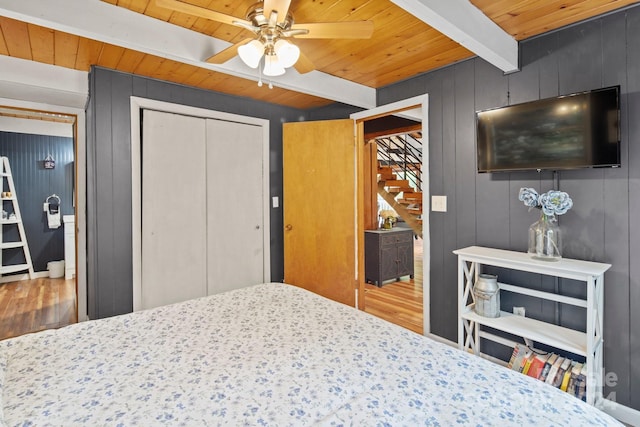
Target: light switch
point(439, 203)
point(275, 201)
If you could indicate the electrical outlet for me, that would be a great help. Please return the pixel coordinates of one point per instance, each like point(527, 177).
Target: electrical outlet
point(519, 311)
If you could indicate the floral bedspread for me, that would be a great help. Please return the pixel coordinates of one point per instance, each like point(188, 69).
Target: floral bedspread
point(271, 354)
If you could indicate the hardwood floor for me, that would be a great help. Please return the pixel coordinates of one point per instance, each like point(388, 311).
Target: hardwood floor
point(34, 305)
point(399, 302)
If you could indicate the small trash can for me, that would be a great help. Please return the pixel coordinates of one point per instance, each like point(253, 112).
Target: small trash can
point(56, 269)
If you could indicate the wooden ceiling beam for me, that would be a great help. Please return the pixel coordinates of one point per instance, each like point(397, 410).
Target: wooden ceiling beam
point(466, 24)
point(124, 29)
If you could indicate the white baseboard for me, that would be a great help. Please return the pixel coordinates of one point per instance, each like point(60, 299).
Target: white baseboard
point(442, 340)
point(23, 276)
point(620, 412)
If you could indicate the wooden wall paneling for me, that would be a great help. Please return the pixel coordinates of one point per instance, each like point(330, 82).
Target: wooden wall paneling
point(616, 216)
point(632, 97)
point(580, 58)
point(492, 203)
point(121, 87)
point(449, 155)
point(102, 211)
point(91, 202)
point(462, 182)
point(525, 86)
point(434, 182)
point(33, 185)
point(139, 86)
point(109, 175)
point(583, 57)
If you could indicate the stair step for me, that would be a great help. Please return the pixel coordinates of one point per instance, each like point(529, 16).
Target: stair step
point(386, 172)
point(413, 196)
point(407, 203)
point(6, 269)
point(397, 183)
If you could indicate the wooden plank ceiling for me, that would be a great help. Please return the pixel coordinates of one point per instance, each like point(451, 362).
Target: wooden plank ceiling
point(401, 47)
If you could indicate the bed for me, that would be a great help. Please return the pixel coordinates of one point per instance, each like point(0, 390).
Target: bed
point(271, 354)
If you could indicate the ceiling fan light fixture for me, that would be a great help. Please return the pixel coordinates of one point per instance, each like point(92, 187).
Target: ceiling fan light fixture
point(251, 53)
point(272, 66)
point(287, 53)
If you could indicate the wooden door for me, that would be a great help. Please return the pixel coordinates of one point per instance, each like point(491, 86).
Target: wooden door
point(235, 201)
point(173, 208)
point(319, 162)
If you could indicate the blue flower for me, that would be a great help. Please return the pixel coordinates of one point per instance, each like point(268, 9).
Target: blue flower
point(555, 202)
point(529, 196)
point(551, 203)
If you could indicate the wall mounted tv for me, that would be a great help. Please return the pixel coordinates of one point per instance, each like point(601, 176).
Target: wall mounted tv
point(567, 132)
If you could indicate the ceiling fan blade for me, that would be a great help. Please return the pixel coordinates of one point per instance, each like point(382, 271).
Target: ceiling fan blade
point(226, 54)
point(303, 64)
point(280, 6)
point(200, 12)
point(335, 30)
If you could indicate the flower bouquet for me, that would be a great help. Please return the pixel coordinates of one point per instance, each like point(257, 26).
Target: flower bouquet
point(389, 218)
point(544, 235)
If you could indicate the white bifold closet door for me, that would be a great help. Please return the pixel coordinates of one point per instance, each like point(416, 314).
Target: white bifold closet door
point(202, 207)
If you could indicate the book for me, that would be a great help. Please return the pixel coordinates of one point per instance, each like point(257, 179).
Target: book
point(547, 366)
point(526, 357)
point(527, 363)
point(575, 373)
point(554, 369)
point(517, 357)
point(537, 364)
point(581, 384)
point(567, 376)
point(557, 382)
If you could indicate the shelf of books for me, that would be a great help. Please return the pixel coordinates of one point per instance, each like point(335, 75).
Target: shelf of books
point(561, 372)
point(553, 369)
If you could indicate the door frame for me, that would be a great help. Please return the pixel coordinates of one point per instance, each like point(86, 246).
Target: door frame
point(80, 183)
point(137, 105)
point(421, 102)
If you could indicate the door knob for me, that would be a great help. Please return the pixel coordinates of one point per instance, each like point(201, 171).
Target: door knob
point(288, 227)
point(257, 227)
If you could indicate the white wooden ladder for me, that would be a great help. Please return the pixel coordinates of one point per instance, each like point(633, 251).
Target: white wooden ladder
point(11, 217)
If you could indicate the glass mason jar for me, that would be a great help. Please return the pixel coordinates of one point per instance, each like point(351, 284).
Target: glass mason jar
point(545, 239)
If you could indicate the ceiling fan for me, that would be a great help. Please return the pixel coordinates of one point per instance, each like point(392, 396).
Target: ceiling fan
point(271, 23)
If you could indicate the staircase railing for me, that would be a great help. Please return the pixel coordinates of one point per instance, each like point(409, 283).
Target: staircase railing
point(402, 153)
point(399, 167)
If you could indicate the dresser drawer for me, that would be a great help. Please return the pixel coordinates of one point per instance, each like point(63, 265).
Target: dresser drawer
point(395, 237)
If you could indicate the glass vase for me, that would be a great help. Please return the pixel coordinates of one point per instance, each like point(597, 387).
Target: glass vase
point(545, 239)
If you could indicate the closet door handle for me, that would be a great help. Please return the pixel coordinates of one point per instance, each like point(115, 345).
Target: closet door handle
point(288, 227)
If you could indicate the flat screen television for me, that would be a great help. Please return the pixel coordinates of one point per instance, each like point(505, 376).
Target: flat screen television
point(566, 132)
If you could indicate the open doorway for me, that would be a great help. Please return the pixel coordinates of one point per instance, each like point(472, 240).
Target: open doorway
point(41, 148)
point(404, 299)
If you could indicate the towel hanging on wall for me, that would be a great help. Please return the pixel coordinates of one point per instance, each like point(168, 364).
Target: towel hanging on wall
point(52, 207)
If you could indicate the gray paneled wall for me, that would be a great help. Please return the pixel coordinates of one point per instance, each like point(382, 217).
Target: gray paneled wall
point(109, 174)
point(34, 183)
point(484, 210)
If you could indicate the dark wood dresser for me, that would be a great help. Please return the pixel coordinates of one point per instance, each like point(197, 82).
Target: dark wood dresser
point(388, 254)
